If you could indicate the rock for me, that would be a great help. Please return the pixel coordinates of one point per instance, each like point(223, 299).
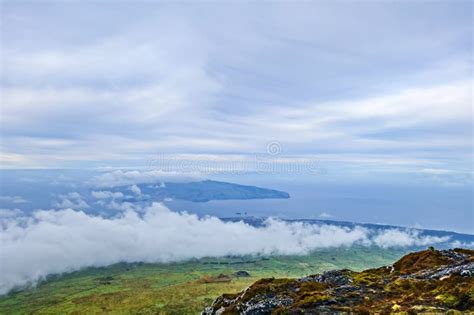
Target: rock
point(105, 280)
point(464, 270)
point(212, 279)
point(264, 305)
point(455, 256)
point(335, 277)
point(241, 274)
point(402, 288)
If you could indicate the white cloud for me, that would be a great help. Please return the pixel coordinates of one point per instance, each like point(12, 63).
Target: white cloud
point(10, 213)
point(13, 199)
point(72, 200)
point(146, 80)
point(180, 85)
point(396, 126)
point(122, 206)
point(104, 194)
point(349, 123)
point(458, 244)
point(67, 240)
point(400, 238)
point(436, 171)
point(136, 190)
point(449, 177)
point(325, 215)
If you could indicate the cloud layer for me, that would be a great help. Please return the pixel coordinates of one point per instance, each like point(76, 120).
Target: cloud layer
point(52, 242)
point(165, 79)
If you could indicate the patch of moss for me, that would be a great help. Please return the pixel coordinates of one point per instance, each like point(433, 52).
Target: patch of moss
point(269, 285)
point(368, 278)
point(448, 299)
point(311, 287)
point(312, 299)
point(414, 262)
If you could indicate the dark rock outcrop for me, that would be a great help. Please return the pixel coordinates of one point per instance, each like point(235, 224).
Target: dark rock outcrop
point(241, 274)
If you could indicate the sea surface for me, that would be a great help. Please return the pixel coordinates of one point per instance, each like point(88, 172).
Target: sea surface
point(407, 204)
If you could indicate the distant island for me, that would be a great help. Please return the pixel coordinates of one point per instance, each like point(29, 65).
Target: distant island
point(207, 190)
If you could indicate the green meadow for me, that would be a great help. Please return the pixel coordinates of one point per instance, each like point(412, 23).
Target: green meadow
point(176, 288)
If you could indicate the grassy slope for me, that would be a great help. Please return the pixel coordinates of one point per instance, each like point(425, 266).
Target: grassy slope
point(175, 288)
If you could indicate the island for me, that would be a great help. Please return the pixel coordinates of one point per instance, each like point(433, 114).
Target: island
point(207, 190)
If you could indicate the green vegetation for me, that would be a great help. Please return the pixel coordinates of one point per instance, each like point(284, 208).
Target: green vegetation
point(430, 280)
point(178, 288)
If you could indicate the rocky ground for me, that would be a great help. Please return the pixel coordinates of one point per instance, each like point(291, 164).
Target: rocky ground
point(426, 281)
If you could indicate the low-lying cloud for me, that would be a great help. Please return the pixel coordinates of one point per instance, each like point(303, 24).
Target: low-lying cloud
point(405, 238)
point(52, 242)
point(72, 200)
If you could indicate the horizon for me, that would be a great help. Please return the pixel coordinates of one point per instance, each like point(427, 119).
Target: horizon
point(402, 106)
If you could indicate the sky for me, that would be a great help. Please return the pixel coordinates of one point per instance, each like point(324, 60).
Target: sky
point(360, 84)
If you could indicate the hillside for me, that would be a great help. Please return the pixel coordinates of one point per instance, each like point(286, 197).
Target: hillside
point(176, 288)
point(429, 280)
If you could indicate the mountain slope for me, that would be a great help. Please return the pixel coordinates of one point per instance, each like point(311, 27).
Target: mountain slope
point(176, 288)
point(429, 280)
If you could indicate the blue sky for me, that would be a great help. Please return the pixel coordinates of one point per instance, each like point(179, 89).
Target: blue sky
point(361, 87)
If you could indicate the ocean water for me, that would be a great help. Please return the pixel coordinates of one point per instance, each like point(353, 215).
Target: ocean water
point(413, 205)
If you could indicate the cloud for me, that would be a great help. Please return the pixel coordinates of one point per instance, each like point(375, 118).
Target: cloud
point(325, 215)
point(136, 190)
point(103, 82)
point(448, 177)
point(181, 85)
point(67, 240)
point(458, 244)
point(400, 238)
point(122, 206)
point(13, 199)
point(72, 200)
point(378, 122)
point(10, 213)
point(104, 194)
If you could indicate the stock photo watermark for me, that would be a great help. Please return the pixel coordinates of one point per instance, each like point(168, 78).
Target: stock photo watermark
point(271, 161)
